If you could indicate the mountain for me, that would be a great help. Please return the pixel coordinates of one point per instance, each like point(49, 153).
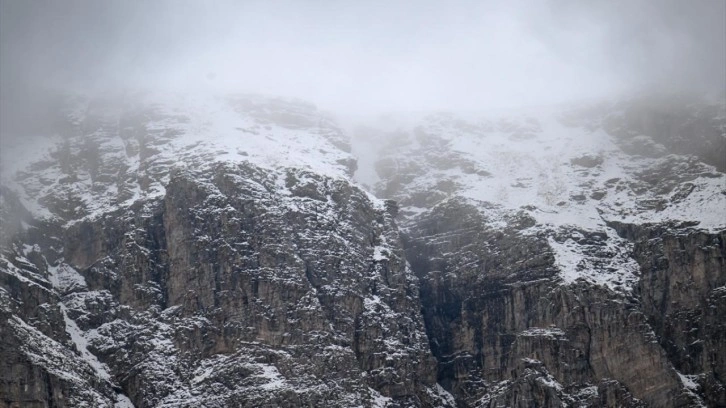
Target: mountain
point(567, 256)
point(167, 250)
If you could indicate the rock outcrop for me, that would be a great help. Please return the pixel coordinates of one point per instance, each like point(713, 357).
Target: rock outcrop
point(581, 272)
point(228, 284)
point(219, 252)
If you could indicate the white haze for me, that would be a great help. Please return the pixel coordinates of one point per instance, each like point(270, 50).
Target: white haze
point(357, 59)
point(372, 56)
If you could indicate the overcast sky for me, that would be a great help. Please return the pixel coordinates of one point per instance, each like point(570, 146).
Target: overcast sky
point(367, 56)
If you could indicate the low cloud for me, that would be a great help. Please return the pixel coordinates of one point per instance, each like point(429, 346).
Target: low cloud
point(364, 56)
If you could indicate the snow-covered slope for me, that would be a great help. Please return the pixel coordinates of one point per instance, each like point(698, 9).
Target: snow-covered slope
point(109, 153)
point(567, 219)
point(567, 173)
point(204, 251)
point(176, 250)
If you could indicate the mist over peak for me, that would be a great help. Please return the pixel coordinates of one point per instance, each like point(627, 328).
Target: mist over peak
point(369, 204)
point(373, 56)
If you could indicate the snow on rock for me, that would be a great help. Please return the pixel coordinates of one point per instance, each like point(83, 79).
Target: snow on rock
point(60, 362)
point(550, 332)
point(378, 400)
point(77, 336)
point(692, 387)
point(283, 269)
point(606, 261)
point(65, 278)
point(28, 275)
point(381, 251)
point(568, 175)
point(271, 376)
point(441, 396)
point(123, 401)
point(113, 153)
point(558, 170)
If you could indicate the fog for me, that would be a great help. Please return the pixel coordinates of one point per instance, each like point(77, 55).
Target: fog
point(372, 56)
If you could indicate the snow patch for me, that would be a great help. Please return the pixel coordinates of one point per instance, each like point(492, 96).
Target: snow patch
point(692, 387)
point(64, 277)
point(123, 401)
point(273, 377)
point(607, 264)
point(549, 332)
point(378, 400)
point(81, 343)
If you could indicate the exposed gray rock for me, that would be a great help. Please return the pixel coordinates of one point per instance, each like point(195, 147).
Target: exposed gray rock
point(159, 257)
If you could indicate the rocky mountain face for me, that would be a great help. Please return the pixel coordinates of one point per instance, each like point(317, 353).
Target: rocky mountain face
point(169, 251)
point(570, 257)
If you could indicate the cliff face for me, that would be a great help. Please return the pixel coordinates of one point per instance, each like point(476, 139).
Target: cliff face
point(506, 333)
point(237, 284)
point(682, 295)
point(567, 258)
point(268, 293)
point(217, 252)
